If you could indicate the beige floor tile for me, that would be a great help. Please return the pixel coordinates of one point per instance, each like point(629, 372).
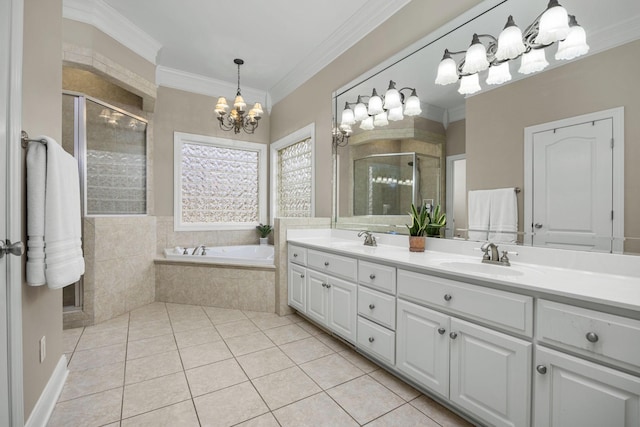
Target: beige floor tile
point(251, 343)
point(310, 327)
point(266, 420)
point(439, 413)
point(154, 394)
point(181, 414)
point(190, 324)
point(70, 339)
point(306, 350)
point(365, 399)
point(250, 314)
point(204, 354)
point(150, 330)
point(294, 318)
point(264, 362)
point(284, 387)
point(269, 320)
point(89, 381)
point(157, 365)
point(405, 416)
point(236, 328)
point(230, 406)
point(223, 315)
point(316, 411)
point(101, 338)
point(150, 346)
point(330, 371)
point(94, 410)
point(333, 343)
point(285, 334)
point(359, 360)
point(193, 337)
point(215, 376)
point(88, 359)
point(395, 384)
point(119, 322)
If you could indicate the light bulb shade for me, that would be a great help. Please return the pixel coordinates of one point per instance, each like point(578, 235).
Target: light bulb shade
point(105, 114)
point(476, 58)
point(239, 104)
point(499, 74)
point(412, 106)
point(257, 109)
point(375, 104)
point(574, 45)
point(554, 24)
point(533, 61)
point(447, 71)
point(367, 124)
point(510, 44)
point(346, 130)
point(395, 114)
point(360, 111)
point(392, 97)
point(380, 119)
point(469, 84)
point(347, 117)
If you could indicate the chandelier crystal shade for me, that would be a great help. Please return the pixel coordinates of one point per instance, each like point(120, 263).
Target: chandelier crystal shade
point(238, 119)
point(553, 25)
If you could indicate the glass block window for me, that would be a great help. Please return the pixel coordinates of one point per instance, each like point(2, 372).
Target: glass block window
point(294, 179)
point(221, 183)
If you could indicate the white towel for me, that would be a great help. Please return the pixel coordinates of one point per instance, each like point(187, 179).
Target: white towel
point(503, 217)
point(36, 179)
point(479, 203)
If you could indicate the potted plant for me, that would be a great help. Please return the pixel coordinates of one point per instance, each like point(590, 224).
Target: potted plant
point(264, 230)
point(436, 221)
point(419, 221)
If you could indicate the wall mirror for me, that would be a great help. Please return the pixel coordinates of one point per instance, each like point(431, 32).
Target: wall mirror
point(478, 142)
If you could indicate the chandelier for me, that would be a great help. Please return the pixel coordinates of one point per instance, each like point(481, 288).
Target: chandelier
point(552, 25)
point(238, 118)
point(379, 109)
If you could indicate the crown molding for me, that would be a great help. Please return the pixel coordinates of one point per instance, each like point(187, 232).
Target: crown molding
point(106, 19)
point(365, 20)
point(457, 113)
point(614, 35)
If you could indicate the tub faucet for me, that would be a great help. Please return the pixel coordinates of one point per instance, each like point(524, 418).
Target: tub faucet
point(369, 239)
point(195, 250)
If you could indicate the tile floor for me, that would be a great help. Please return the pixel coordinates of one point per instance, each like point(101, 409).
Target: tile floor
point(183, 365)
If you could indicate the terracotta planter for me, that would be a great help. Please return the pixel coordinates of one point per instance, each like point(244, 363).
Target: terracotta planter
point(416, 243)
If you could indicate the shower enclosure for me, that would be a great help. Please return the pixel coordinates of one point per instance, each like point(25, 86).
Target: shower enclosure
point(110, 145)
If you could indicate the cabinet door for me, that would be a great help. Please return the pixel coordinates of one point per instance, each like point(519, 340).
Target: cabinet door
point(574, 392)
point(491, 374)
point(422, 346)
point(317, 299)
point(343, 310)
point(297, 288)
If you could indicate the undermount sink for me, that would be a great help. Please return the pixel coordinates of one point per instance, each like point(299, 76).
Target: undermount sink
point(481, 268)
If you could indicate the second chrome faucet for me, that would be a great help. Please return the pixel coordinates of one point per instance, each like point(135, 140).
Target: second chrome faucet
point(369, 239)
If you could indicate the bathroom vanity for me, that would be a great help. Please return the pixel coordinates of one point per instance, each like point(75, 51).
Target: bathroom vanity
point(526, 345)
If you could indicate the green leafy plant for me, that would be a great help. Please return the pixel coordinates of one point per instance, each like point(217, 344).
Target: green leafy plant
point(437, 220)
point(419, 220)
point(264, 229)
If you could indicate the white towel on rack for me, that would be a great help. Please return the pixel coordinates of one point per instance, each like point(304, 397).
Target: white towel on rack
point(479, 203)
point(36, 180)
point(503, 217)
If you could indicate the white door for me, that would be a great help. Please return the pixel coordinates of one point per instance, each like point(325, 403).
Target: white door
point(573, 392)
point(572, 187)
point(297, 288)
point(317, 300)
point(343, 308)
point(456, 196)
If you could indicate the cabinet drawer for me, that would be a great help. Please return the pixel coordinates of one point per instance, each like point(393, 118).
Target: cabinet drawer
point(376, 306)
point(297, 254)
point(376, 340)
point(605, 336)
point(507, 310)
point(380, 277)
point(336, 265)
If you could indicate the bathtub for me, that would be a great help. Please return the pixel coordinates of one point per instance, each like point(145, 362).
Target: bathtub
point(241, 255)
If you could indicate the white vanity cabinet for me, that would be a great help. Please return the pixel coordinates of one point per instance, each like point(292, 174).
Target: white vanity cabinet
point(296, 273)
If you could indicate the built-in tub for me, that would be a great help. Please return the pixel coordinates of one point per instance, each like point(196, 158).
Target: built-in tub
point(242, 255)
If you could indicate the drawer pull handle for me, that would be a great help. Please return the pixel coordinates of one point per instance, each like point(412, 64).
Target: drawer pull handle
point(372, 306)
point(441, 331)
point(302, 276)
point(453, 335)
point(541, 369)
point(592, 337)
point(371, 339)
point(295, 255)
point(324, 285)
point(326, 263)
point(447, 297)
point(372, 276)
point(328, 286)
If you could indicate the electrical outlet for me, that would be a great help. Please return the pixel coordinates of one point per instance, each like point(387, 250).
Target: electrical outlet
point(43, 348)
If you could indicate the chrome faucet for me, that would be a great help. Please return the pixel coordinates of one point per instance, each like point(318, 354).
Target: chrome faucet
point(491, 254)
point(369, 239)
point(195, 250)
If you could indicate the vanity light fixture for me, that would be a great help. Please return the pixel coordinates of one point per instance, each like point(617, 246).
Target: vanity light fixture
point(486, 52)
point(379, 110)
point(341, 136)
point(238, 119)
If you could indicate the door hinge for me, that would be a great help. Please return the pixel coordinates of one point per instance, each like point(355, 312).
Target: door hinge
point(611, 215)
point(611, 143)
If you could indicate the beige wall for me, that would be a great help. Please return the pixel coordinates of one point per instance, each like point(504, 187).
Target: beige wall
point(496, 120)
point(41, 114)
point(414, 21)
point(456, 138)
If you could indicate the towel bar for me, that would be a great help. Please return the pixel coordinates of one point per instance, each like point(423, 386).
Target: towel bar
point(24, 138)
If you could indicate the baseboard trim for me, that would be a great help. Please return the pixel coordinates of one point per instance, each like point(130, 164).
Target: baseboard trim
point(47, 401)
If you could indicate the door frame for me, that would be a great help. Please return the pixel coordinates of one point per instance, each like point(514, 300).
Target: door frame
point(450, 187)
point(617, 116)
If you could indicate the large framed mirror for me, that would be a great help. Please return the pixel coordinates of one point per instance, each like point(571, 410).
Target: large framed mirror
point(479, 140)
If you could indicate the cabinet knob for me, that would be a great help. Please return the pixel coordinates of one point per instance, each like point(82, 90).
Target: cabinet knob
point(372, 276)
point(302, 276)
point(453, 335)
point(371, 339)
point(295, 255)
point(592, 337)
point(541, 369)
point(447, 297)
point(324, 285)
point(372, 306)
point(328, 285)
point(326, 263)
point(441, 331)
